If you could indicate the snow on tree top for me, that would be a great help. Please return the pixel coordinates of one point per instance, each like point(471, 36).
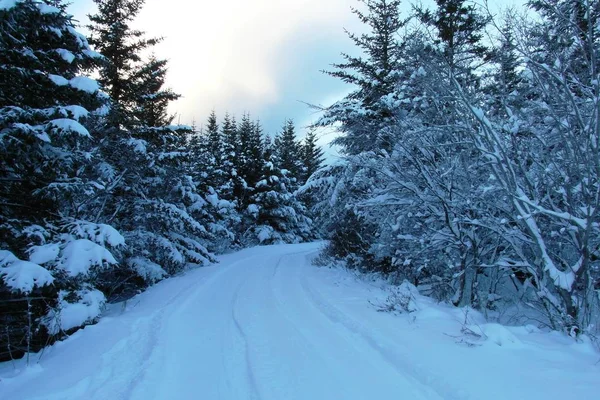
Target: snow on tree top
point(44, 254)
point(22, 275)
point(47, 9)
point(58, 80)
point(66, 55)
point(69, 125)
point(85, 84)
point(80, 255)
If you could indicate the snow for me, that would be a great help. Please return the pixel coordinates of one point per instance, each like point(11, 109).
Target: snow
point(253, 209)
point(496, 334)
point(81, 39)
point(93, 54)
point(213, 199)
point(267, 324)
point(71, 315)
point(21, 275)
point(150, 271)
point(101, 234)
point(69, 125)
point(80, 255)
point(76, 111)
point(176, 128)
point(138, 145)
point(58, 80)
point(264, 233)
point(66, 55)
point(44, 254)
point(84, 84)
point(48, 9)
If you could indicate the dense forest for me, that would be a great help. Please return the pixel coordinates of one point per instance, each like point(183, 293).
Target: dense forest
point(101, 195)
point(472, 158)
point(470, 169)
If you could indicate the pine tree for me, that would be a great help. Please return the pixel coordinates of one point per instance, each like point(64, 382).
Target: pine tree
point(215, 145)
point(572, 25)
point(229, 135)
point(365, 111)
point(154, 193)
point(508, 60)
point(288, 153)
point(255, 155)
point(268, 147)
point(251, 152)
point(459, 28)
point(273, 214)
point(312, 156)
point(46, 100)
point(234, 186)
point(113, 37)
point(151, 97)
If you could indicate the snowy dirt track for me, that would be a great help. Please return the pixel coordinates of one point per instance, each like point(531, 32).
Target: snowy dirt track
point(266, 324)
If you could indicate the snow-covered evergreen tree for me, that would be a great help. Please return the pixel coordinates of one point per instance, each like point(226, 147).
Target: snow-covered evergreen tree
point(311, 155)
point(151, 96)
point(288, 153)
point(250, 155)
point(213, 135)
point(234, 185)
point(46, 99)
point(122, 46)
point(153, 194)
point(274, 214)
point(365, 112)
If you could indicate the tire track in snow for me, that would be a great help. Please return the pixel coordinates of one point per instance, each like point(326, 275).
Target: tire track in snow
point(139, 345)
point(326, 336)
point(251, 380)
point(281, 356)
point(322, 351)
point(195, 305)
point(389, 352)
point(142, 344)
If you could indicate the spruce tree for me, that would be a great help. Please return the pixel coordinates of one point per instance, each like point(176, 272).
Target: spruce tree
point(251, 152)
point(233, 186)
point(48, 248)
point(152, 99)
point(215, 146)
point(288, 153)
point(312, 156)
point(364, 112)
point(459, 27)
point(274, 214)
point(154, 192)
point(121, 46)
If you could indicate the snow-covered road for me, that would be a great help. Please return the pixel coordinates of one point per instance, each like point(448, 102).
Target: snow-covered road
point(265, 324)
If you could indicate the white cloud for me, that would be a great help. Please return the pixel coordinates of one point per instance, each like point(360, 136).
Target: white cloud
point(227, 54)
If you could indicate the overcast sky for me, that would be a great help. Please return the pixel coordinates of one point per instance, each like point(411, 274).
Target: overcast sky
point(260, 56)
point(257, 56)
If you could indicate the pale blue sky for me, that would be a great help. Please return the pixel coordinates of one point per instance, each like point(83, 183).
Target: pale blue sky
point(261, 56)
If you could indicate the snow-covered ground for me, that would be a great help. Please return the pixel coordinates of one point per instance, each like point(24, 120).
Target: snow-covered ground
point(266, 324)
